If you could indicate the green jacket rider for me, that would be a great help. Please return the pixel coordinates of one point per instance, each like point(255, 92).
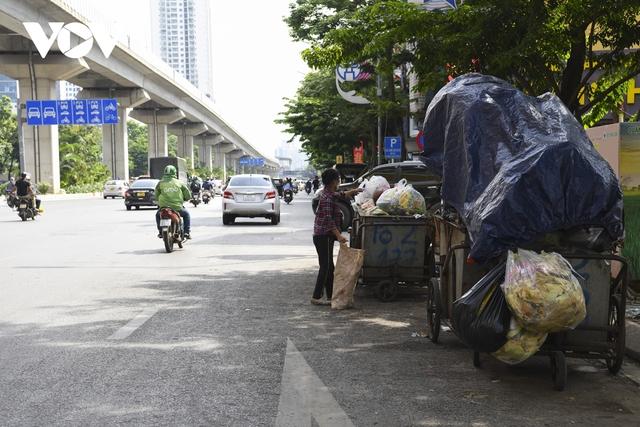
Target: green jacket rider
point(171, 193)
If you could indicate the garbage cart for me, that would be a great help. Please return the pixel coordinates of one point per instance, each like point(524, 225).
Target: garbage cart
point(602, 276)
point(399, 252)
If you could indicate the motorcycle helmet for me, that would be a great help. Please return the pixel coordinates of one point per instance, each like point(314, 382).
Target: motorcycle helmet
point(171, 171)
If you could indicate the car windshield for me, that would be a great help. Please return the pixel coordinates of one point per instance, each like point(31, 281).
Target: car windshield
point(145, 183)
point(249, 181)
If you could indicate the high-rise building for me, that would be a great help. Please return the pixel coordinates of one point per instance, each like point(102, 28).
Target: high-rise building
point(181, 32)
point(8, 87)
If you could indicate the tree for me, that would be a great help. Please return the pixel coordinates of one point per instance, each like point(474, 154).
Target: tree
point(138, 148)
point(560, 46)
point(8, 137)
point(326, 124)
point(81, 156)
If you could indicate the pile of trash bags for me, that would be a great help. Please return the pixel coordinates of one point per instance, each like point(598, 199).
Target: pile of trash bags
point(378, 198)
point(513, 308)
point(516, 167)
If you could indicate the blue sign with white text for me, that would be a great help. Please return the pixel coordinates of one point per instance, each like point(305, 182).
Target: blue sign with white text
point(252, 161)
point(72, 112)
point(393, 147)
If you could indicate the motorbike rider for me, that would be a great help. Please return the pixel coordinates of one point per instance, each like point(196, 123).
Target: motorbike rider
point(195, 185)
point(11, 186)
point(23, 188)
point(307, 186)
point(288, 185)
point(207, 185)
point(171, 193)
point(316, 183)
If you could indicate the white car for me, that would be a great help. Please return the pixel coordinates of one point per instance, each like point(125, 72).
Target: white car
point(115, 188)
point(250, 196)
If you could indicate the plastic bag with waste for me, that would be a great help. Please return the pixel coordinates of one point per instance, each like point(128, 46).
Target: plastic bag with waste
point(389, 201)
point(371, 188)
point(542, 292)
point(411, 202)
point(521, 344)
point(481, 317)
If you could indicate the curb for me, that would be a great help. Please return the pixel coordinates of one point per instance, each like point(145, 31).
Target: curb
point(633, 340)
point(79, 196)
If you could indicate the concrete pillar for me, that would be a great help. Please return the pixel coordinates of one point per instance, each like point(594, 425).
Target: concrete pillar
point(115, 139)
point(158, 140)
point(41, 143)
point(37, 79)
point(158, 120)
point(186, 132)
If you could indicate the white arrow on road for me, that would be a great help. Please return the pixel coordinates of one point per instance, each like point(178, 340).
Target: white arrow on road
point(304, 399)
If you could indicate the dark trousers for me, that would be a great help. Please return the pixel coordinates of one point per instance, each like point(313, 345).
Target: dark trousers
point(186, 220)
point(324, 248)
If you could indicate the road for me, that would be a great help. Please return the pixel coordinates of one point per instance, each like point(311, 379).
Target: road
point(98, 326)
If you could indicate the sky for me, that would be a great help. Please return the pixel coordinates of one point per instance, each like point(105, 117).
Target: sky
point(255, 62)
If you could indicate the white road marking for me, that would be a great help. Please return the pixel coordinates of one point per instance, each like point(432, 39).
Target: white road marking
point(134, 324)
point(304, 398)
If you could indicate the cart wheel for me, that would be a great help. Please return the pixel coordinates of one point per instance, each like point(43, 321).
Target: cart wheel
point(617, 337)
point(433, 310)
point(476, 359)
point(387, 291)
point(558, 370)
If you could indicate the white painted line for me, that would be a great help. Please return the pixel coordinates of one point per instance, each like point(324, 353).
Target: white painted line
point(304, 399)
point(134, 324)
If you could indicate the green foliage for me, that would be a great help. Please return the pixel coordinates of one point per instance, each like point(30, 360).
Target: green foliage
point(138, 148)
point(172, 142)
point(44, 187)
point(8, 138)
point(326, 124)
point(84, 188)
point(81, 156)
point(537, 45)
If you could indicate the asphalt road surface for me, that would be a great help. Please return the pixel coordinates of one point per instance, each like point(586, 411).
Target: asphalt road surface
point(99, 326)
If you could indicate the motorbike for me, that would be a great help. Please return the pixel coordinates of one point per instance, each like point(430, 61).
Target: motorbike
point(195, 199)
point(295, 189)
point(308, 190)
point(207, 196)
point(288, 196)
point(172, 229)
point(26, 210)
point(12, 200)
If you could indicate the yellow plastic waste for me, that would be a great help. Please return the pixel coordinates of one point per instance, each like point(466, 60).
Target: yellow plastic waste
point(542, 292)
point(521, 344)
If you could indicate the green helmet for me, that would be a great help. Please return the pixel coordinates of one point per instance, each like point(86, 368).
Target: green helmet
point(170, 171)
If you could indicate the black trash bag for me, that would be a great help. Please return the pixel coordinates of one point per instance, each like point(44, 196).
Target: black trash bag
point(481, 317)
point(516, 167)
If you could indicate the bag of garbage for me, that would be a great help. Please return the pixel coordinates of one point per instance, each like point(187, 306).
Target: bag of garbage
point(481, 317)
point(411, 202)
point(542, 292)
point(521, 344)
point(345, 276)
point(389, 201)
point(371, 188)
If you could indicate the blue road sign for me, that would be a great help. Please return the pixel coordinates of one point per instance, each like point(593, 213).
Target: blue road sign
point(94, 108)
point(74, 112)
point(64, 113)
point(110, 111)
point(49, 113)
point(393, 147)
point(252, 161)
point(34, 113)
point(79, 111)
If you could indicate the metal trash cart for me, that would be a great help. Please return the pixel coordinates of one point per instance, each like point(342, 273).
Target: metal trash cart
point(600, 336)
point(398, 252)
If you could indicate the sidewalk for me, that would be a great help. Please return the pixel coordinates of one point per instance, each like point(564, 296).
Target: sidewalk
point(62, 197)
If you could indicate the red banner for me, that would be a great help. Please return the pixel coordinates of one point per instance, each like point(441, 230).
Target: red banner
point(358, 153)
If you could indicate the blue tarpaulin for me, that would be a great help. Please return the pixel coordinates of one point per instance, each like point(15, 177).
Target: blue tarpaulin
point(516, 167)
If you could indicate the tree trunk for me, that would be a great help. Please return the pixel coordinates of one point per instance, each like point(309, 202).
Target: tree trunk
point(572, 75)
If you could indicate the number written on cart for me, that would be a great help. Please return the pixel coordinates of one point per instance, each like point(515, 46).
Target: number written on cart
point(395, 244)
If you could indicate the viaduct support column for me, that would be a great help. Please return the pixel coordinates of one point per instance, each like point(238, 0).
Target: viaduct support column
point(115, 139)
point(186, 132)
point(37, 78)
point(158, 120)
